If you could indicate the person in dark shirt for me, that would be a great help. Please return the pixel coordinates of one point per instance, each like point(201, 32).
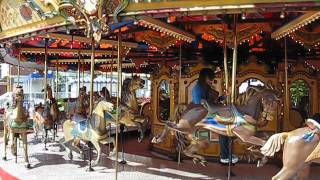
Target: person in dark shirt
point(105, 94)
point(203, 90)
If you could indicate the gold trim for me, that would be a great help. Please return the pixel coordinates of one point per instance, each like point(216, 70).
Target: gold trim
point(59, 51)
point(55, 22)
point(295, 24)
point(88, 40)
point(160, 26)
point(199, 3)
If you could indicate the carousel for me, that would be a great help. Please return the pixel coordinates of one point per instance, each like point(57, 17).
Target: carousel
point(163, 89)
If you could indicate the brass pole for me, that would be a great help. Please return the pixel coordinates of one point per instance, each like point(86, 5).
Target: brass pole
point(57, 79)
point(9, 80)
point(105, 91)
point(82, 64)
point(111, 72)
point(92, 74)
point(119, 65)
point(79, 56)
point(234, 60)
point(45, 68)
point(225, 62)
point(179, 94)
point(286, 79)
point(180, 72)
point(19, 69)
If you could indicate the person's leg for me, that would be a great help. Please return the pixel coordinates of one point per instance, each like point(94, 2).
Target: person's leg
point(224, 147)
point(224, 150)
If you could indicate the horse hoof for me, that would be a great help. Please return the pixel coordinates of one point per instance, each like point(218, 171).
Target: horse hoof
point(70, 156)
point(260, 163)
point(81, 156)
point(4, 158)
point(94, 164)
point(156, 140)
point(203, 163)
point(113, 153)
point(139, 140)
point(195, 160)
point(28, 166)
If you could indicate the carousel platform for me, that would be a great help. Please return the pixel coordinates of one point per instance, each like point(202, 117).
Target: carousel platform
point(141, 164)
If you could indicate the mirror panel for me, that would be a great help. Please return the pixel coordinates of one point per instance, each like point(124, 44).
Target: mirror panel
point(164, 101)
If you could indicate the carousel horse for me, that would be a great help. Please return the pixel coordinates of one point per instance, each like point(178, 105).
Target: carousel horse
point(16, 124)
point(300, 147)
point(130, 112)
point(91, 130)
point(47, 117)
point(252, 109)
point(38, 121)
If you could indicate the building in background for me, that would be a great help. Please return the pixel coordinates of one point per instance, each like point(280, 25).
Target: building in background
point(32, 82)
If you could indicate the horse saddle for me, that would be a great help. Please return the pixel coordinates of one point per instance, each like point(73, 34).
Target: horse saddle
point(226, 115)
point(79, 128)
point(108, 116)
point(78, 118)
point(18, 122)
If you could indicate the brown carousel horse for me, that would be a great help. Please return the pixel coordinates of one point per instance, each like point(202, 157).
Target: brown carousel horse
point(130, 112)
point(300, 148)
point(253, 108)
point(16, 124)
point(47, 117)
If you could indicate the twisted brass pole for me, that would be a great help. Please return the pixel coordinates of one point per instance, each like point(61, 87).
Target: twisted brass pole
point(45, 68)
point(119, 66)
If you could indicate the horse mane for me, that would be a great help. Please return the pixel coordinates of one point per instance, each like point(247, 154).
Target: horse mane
point(125, 93)
point(251, 91)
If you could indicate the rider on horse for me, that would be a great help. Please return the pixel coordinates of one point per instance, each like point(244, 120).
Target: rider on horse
point(82, 106)
point(203, 93)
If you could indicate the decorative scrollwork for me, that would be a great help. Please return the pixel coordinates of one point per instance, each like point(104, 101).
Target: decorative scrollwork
point(92, 15)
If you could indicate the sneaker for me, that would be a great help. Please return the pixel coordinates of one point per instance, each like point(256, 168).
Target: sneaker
point(235, 159)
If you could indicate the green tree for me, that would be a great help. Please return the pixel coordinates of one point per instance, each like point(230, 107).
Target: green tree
point(298, 90)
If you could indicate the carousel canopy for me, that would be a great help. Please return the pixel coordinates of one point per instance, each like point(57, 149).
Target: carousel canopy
point(152, 32)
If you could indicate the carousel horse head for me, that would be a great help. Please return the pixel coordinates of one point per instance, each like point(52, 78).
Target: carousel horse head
point(262, 99)
point(49, 91)
point(133, 84)
point(19, 94)
point(101, 106)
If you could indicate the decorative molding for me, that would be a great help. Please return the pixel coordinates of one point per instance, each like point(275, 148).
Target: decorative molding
point(296, 24)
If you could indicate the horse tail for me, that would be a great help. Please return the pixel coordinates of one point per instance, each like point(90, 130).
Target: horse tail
point(274, 144)
point(67, 128)
point(182, 141)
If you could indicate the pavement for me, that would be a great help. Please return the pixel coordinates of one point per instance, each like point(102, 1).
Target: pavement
point(54, 164)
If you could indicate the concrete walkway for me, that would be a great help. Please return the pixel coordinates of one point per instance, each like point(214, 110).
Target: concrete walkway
point(55, 165)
